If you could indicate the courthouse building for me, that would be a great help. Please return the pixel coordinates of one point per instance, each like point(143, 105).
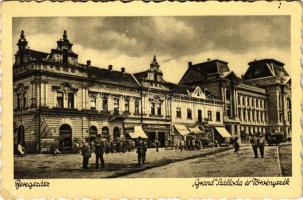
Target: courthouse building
point(56, 97)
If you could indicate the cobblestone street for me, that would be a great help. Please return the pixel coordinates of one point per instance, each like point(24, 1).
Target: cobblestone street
point(210, 162)
point(117, 164)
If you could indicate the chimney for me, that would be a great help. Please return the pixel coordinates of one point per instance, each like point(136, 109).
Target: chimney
point(190, 64)
point(88, 63)
point(122, 69)
point(110, 67)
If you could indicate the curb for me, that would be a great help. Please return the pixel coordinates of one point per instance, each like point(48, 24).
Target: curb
point(133, 171)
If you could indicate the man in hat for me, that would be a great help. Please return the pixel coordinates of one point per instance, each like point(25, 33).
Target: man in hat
point(86, 153)
point(99, 151)
point(141, 151)
point(254, 143)
point(261, 145)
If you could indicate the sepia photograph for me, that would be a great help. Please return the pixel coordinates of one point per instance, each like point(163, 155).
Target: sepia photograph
point(151, 97)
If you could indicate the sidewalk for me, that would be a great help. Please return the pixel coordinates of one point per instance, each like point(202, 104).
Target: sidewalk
point(116, 164)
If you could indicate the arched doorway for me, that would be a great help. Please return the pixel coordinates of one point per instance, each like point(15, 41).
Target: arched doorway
point(20, 135)
point(116, 133)
point(105, 132)
point(65, 138)
point(93, 133)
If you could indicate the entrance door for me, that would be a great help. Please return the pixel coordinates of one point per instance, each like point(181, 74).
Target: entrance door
point(161, 138)
point(151, 139)
point(65, 140)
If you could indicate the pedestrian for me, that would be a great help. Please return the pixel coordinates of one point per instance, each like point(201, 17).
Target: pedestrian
point(20, 149)
point(86, 153)
point(99, 151)
point(261, 144)
point(254, 143)
point(193, 144)
point(141, 151)
point(236, 145)
point(181, 144)
point(157, 145)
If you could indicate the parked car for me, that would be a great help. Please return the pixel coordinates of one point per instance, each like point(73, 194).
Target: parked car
point(274, 138)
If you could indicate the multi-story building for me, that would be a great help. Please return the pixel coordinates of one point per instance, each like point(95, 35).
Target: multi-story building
point(55, 96)
point(257, 102)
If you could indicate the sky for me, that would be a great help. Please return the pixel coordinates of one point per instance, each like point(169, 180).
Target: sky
point(131, 42)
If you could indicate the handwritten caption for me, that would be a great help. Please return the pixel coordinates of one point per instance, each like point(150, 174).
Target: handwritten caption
point(240, 182)
point(30, 184)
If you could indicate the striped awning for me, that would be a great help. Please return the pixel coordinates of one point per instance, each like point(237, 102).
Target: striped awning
point(182, 129)
point(138, 132)
point(223, 132)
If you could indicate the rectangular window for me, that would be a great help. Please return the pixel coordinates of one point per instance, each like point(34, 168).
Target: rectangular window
point(70, 100)
point(18, 101)
point(24, 100)
point(257, 116)
point(248, 101)
point(253, 115)
point(239, 113)
point(93, 102)
point(248, 114)
point(159, 109)
point(209, 115)
point(243, 100)
point(152, 108)
point(178, 113)
point(126, 105)
point(137, 106)
point(105, 103)
point(189, 113)
point(60, 100)
point(252, 102)
point(257, 103)
point(218, 116)
point(116, 103)
point(228, 111)
point(239, 99)
point(200, 116)
point(244, 115)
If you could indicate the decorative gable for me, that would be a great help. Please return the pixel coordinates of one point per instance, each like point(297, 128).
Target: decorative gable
point(198, 93)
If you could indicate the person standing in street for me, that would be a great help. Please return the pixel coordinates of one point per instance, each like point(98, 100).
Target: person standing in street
point(86, 153)
point(99, 151)
point(261, 144)
point(157, 145)
point(141, 151)
point(254, 143)
point(236, 146)
point(182, 144)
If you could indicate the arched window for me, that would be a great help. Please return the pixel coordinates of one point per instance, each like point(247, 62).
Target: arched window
point(20, 135)
point(93, 131)
point(105, 132)
point(65, 137)
point(116, 133)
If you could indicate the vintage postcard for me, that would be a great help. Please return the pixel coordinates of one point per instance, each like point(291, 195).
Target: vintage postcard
point(151, 100)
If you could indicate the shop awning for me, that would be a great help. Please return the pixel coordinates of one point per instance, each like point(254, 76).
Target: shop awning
point(223, 132)
point(182, 129)
point(138, 132)
point(195, 130)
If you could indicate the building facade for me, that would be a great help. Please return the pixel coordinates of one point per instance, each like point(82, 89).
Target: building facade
point(260, 101)
point(56, 97)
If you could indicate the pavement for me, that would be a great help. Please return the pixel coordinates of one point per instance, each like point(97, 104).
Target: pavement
point(116, 164)
point(208, 162)
point(224, 164)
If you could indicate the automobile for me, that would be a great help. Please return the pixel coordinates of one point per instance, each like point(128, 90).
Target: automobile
point(274, 138)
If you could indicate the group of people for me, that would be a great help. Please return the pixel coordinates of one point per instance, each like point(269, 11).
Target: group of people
point(257, 142)
point(99, 147)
